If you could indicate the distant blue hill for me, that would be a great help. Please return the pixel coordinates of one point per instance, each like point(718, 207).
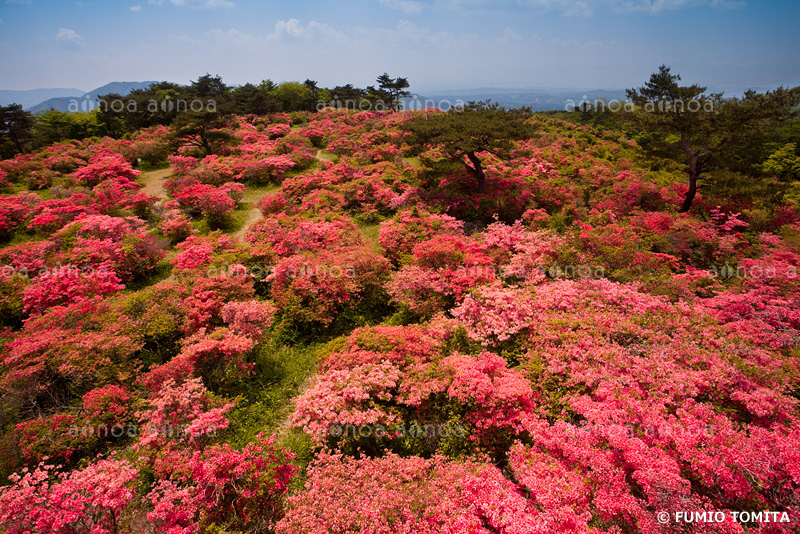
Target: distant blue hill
point(31, 97)
point(536, 99)
point(87, 101)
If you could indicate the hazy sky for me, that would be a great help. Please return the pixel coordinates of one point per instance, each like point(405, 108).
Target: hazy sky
point(436, 44)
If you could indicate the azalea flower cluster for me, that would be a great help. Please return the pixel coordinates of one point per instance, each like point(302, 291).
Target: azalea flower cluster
point(604, 358)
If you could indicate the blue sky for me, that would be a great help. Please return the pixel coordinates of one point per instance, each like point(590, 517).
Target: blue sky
point(436, 44)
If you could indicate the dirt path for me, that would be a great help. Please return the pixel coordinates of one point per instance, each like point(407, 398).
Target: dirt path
point(251, 196)
point(254, 197)
point(322, 156)
point(253, 216)
point(153, 182)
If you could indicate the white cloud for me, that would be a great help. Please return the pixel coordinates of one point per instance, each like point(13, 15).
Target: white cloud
point(136, 9)
point(407, 6)
point(579, 9)
point(728, 4)
point(294, 29)
point(510, 36)
point(195, 4)
point(652, 6)
point(408, 33)
point(588, 7)
point(565, 7)
point(232, 37)
point(69, 38)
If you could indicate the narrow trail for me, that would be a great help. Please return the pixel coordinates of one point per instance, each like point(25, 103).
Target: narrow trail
point(323, 156)
point(153, 182)
point(253, 197)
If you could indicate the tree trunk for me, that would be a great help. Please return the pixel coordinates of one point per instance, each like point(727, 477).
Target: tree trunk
point(694, 175)
point(690, 194)
point(477, 170)
point(17, 142)
point(206, 144)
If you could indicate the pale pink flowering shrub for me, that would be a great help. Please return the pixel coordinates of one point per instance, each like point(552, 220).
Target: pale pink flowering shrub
point(176, 226)
point(493, 314)
point(184, 413)
point(521, 255)
point(372, 382)
point(249, 318)
point(407, 495)
point(90, 501)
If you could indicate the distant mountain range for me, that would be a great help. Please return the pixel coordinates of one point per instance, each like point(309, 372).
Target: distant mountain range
point(66, 99)
point(35, 96)
point(88, 101)
point(536, 99)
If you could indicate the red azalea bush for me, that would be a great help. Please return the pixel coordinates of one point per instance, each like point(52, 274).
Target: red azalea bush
point(223, 486)
point(51, 437)
point(106, 165)
point(394, 494)
point(67, 285)
point(111, 197)
point(396, 378)
point(107, 405)
point(212, 202)
point(120, 244)
point(442, 271)
point(288, 235)
point(175, 225)
point(398, 236)
point(151, 145)
point(209, 294)
point(180, 412)
point(78, 343)
point(213, 253)
point(249, 318)
point(89, 500)
point(53, 214)
point(315, 288)
point(271, 169)
point(14, 211)
point(570, 355)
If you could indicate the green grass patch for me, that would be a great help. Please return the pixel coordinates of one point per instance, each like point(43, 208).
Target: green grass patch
point(371, 232)
point(265, 399)
point(254, 193)
point(159, 272)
